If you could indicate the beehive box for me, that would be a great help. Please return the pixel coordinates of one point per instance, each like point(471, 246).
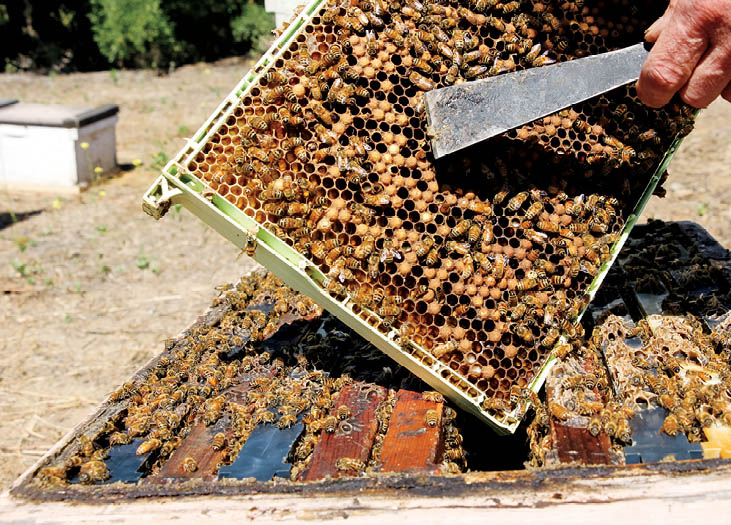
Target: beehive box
point(466, 271)
point(58, 131)
point(261, 341)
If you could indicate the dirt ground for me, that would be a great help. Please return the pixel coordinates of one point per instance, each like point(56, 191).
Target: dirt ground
point(90, 286)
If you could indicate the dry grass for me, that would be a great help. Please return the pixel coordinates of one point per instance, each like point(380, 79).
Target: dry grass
point(110, 284)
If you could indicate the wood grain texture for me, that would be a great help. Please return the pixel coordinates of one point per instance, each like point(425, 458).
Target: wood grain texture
point(574, 444)
point(410, 443)
point(354, 436)
point(198, 445)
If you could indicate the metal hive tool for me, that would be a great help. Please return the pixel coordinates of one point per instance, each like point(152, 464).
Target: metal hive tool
point(469, 270)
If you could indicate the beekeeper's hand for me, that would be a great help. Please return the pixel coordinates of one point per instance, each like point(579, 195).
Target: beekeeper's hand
point(691, 55)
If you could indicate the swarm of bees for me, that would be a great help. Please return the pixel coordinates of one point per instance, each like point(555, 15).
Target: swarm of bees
point(227, 375)
point(480, 261)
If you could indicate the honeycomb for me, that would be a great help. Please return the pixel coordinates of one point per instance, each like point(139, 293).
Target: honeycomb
point(480, 260)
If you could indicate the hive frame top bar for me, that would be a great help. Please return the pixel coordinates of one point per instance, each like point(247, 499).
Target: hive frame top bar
point(177, 185)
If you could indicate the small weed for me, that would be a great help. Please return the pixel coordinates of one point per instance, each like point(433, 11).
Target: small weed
point(215, 90)
point(145, 262)
point(114, 76)
point(142, 262)
point(29, 272)
point(104, 268)
point(159, 160)
point(102, 228)
point(701, 208)
point(67, 318)
point(176, 211)
point(183, 131)
point(76, 288)
point(48, 282)
point(120, 269)
point(23, 242)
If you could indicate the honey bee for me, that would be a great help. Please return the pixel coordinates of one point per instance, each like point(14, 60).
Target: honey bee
point(388, 252)
point(345, 464)
point(190, 465)
point(533, 211)
point(522, 331)
point(432, 396)
point(517, 201)
point(377, 200)
point(219, 441)
point(423, 66)
point(558, 411)
point(373, 265)
point(389, 310)
point(671, 425)
point(495, 403)
point(460, 228)
point(422, 247)
point(495, 22)
point(445, 348)
point(330, 424)
point(274, 78)
point(93, 471)
point(501, 66)
point(461, 248)
point(550, 337)
point(119, 438)
point(432, 257)
point(343, 412)
point(148, 446)
point(421, 82)
point(431, 418)
point(286, 421)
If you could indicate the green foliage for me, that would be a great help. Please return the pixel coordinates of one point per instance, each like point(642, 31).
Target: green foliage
point(99, 34)
point(253, 26)
point(132, 32)
point(159, 160)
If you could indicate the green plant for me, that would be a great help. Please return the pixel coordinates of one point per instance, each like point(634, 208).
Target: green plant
point(133, 32)
point(252, 26)
point(114, 76)
point(147, 263)
point(159, 160)
point(104, 268)
point(701, 208)
point(29, 272)
point(183, 131)
point(67, 318)
point(22, 242)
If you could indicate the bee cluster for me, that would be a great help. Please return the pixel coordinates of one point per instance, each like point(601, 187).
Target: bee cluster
point(679, 361)
point(240, 368)
point(668, 362)
point(480, 260)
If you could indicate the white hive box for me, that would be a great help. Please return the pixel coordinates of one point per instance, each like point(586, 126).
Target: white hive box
point(282, 9)
point(40, 144)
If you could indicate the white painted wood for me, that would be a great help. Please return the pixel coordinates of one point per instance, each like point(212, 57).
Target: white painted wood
point(283, 9)
point(43, 157)
point(619, 498)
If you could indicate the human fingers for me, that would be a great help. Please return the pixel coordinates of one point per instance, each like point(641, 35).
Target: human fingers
point(654, 30)
point(679, 47)
point(709, 79)
point(726, 93)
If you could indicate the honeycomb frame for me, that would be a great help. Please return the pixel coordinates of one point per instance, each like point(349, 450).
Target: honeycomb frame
point(178, 184)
